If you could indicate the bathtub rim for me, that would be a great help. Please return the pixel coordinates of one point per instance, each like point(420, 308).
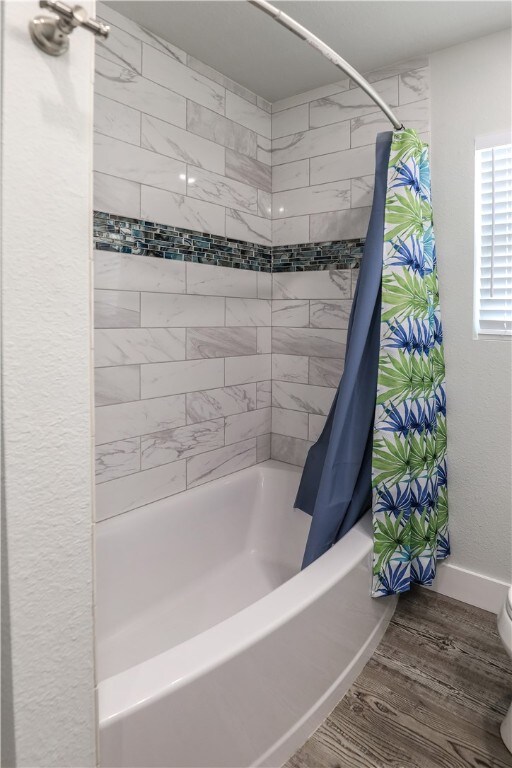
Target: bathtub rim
point(156, 677)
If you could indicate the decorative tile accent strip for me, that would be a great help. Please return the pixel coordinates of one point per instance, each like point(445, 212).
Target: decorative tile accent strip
point(340, 254)
point(145, 238)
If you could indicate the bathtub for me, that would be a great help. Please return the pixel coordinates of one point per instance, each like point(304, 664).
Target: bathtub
point(213, 648)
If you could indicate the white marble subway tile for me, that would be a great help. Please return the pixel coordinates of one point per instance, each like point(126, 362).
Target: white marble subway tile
point(132, 491)
point(181, 211)
point(116, 309)
point(126, 272)
point(414, 85)
point(243, 426)
point(307, 96)
point(352, 103)
point(316, 424)
point(364, 129)
point(290, 175)
point(220, 342)
point(221, 79)
point(361, 191)
point(127, 161)
point(291, 423)
point(161, 379)
point(342, 165)
point(214, 188)
point(302, 397)
point(118, 422)
point(325, 371)
point(216, 403)
point(264, 149)
point(116, 459)
point(243, 370)
point(168, 139)
point(118, 83)
point(117, 384)
point(324, 284)
point(264, 340)
point(248, 170)
point(210, 125)
point(246, 226)
point(290, 121)
point(111, 16)
point(129, 346)
point(330, 314)
point(290, 231)
point(333, 196)
point(113, 195)
point(264, 394)
point(264, 285)
point(212, 280)
point(291, 450)
point(116, 120)
point(322, 342)
point(389, 70)
point(292, 368)
point(339, 225)
point(180, 443)
point(262, 448)
point(290, 312)
point(224, 461)
point(264, 204)
point(242, 312)
point(121, 48)
point(263, 103)
point(251, 116)
point(318, 141)
point(164, 310)
point(165, 70)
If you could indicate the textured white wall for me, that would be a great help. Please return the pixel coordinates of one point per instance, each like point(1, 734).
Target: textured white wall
point(46, 318)
point(470, 97)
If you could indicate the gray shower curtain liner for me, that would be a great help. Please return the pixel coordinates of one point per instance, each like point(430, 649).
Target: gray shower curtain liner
point(336, 485)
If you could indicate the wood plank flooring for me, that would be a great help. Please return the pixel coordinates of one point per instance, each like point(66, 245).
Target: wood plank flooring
point(432, 696)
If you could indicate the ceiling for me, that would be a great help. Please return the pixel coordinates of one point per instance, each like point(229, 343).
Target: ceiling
point(248, 46)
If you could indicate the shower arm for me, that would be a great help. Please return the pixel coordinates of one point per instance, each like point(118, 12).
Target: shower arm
point(332, 56)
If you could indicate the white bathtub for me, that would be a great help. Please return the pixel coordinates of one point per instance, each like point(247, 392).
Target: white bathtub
point(213, 649)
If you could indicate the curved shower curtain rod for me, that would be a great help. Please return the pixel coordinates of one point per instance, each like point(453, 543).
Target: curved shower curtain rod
point(332, 56)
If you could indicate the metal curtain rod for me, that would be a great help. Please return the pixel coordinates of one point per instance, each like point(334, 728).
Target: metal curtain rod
point(332, 56)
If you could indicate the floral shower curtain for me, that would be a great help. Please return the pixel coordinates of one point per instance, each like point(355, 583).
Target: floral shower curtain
point(409, 480)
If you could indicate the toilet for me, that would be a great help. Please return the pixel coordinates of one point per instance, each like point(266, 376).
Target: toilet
point(505, 630)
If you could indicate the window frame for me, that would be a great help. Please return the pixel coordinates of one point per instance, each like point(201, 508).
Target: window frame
point(488, 141)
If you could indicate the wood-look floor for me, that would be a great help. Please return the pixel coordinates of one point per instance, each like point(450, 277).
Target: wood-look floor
point(432, 696)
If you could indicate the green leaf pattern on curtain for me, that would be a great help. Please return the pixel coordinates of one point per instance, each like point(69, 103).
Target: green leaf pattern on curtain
point(410, 509)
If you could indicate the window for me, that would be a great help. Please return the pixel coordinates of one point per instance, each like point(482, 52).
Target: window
point(493, 236)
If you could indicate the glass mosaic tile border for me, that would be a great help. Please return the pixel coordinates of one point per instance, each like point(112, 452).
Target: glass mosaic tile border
point(147, 238)
point(339, 254)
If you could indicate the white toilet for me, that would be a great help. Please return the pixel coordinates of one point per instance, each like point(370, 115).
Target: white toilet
point(505, 630)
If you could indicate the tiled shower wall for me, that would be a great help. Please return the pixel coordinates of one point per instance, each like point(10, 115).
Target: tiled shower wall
point(183, 368)
point(196, 366)
point(310, 313)
point(323, 148)
point(175, 141)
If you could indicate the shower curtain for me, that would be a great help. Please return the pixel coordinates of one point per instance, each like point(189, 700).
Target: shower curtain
point(384, 442)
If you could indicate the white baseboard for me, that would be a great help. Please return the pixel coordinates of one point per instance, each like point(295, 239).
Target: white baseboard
point(470, 587)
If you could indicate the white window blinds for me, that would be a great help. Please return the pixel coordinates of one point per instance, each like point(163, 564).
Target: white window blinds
point(493, 295)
